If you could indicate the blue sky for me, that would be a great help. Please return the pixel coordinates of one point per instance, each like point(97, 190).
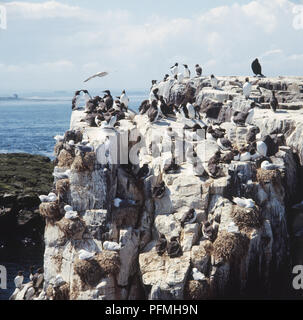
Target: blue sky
point(53, 45)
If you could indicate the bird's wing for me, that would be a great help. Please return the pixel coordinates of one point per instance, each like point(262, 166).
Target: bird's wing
point(99, 74)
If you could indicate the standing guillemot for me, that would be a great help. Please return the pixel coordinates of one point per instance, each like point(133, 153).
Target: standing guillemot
point(186, 71)
point(174, 69)
point(198, 70)
point(247, 87)
point(274, 102)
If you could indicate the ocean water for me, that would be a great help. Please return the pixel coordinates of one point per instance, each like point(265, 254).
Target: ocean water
point(29, 125)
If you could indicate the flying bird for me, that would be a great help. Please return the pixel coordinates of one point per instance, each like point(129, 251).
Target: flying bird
point(99, 74)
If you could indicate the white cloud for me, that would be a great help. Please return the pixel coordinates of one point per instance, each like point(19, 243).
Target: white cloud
point(224, 40)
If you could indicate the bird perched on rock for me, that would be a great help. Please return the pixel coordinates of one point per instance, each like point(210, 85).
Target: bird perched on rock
point(165, 77)
point(197, 275)
point(153, 112)
point(186, 71)
point(198, 70)
point(208, 231)
point(85, 255)
point(174, 249)
point(161, 244)
point(159, 190)
point(214, 81)
point(224, 144)
point(108, 99)
point(274, 102)
point(111, 246)
point(191, 111)
point(213, 164)
point(19, 280)
point(230, 156)
point(239, 118)
point(256, 68)
point(189, 217)
point(143, 172)
point(71, 215)
point(154, 95)
point(124, 99)
point(262, 148)
point(244, 203)
point(247, 88)
point(174, 69)
point(266, 165)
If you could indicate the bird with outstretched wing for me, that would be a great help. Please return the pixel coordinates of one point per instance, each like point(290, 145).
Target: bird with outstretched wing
point(99, 74)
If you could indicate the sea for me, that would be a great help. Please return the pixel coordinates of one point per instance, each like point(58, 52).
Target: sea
point(28, 125)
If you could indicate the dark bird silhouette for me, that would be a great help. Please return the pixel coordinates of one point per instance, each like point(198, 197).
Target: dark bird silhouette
point(256, 68)
point(159, 190)
point(174, 249)
point(161, 244)
point(198, 70)
point(274, 102)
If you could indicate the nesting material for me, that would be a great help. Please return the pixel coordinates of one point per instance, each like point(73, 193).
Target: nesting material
point(268, 176)
point(50, 211)
point(109, 261)
point(65, 159)
point(246, 219)
point(72, 229)
point(84, 163)
point(89, 271)
point(102, 265)
point(62, 293)
point(62, 186)
point(196, 290)
point(230, 246)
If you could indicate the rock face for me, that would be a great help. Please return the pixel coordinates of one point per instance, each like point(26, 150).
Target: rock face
point(224, 250)
point(22, 178)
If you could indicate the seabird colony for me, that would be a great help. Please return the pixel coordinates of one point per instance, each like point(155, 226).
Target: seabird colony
point(106, 111)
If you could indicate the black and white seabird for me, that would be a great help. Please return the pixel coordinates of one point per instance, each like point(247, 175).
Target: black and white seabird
point(224, 144)
point(213, 164)
point(153, 112)
point(256, 68)
point(208, 231)
point(108, 99)
point(161, 244)
point(153, 95)
point(174, 249)
point(214, 81)
point(186, 71)
point(175, 69)
point(239, 118)
point(124, 99)
point(76, 100)
point(19, 280)
point(143, 172)
point(247, 87)
point(166, 110)
point(144, 107)
point(189, 217)
point(191, 111)
point(274, 102)
point(159, 190)
point(198, 70)
point(166, 77)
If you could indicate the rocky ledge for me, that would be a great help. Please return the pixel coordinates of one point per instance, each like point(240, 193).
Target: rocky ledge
point(23, 177)
point(177, 232)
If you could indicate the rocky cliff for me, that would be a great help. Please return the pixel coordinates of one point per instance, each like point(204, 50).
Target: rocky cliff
point(226, 250)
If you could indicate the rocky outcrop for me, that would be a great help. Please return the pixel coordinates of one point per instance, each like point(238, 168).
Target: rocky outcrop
point(23, 178)
point(225, 250)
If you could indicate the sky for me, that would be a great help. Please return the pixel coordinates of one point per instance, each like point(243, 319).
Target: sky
point(55, 45)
